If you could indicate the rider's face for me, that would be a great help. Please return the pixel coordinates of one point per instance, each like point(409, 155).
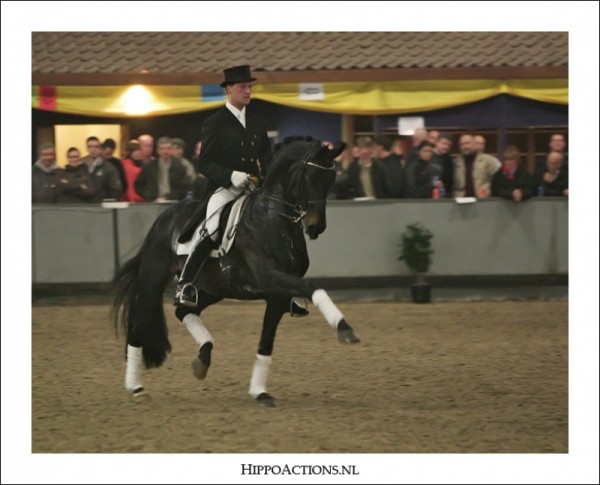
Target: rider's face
point(239, 94)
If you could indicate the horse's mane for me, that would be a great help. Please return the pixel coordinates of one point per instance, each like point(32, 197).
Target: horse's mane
point(292, 149)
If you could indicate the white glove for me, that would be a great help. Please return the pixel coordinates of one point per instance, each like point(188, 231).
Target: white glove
point(239, 179)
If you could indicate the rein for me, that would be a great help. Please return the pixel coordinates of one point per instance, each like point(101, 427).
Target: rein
point(298, 212)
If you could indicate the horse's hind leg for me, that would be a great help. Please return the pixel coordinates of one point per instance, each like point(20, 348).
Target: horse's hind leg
point(133, 373)
point(147, 341)
point(258, 383)
point(190, 317)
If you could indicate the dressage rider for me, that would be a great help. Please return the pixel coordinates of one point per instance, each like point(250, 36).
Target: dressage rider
point(235, 147)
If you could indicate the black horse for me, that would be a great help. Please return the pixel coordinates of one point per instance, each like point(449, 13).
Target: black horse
point(267, 261)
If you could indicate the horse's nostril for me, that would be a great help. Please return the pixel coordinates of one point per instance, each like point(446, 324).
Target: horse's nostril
point(314, 230)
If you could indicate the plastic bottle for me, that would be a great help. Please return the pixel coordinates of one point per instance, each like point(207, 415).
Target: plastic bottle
point(540, 191)
point(435, 191)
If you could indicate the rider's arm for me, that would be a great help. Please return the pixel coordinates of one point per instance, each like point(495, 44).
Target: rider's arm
point(218, 175)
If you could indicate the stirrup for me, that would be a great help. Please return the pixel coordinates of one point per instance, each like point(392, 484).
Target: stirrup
point(180, 293)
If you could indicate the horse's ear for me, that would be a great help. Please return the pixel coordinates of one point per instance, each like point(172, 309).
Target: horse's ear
point(336, 150)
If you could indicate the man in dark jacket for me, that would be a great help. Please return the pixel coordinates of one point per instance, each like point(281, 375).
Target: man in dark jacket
point(512, 181)
point(45, 177)
point(104, 178)
point(163, 179)
point(235, 147)
point(365, 176)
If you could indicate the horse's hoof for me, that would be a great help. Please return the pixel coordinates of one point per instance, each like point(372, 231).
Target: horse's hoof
point(266, 400)
point(346, 334)
point(138, 391)
point(199, 369)
point(201, 363)
point(347, 337)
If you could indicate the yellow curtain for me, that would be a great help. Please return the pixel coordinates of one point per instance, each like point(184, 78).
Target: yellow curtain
point(395, 97)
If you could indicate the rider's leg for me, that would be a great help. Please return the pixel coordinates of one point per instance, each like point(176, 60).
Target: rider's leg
point(186, 293)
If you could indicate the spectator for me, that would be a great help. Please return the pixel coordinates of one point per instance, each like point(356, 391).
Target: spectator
point(132, 166)
point(103, 176)
point(442, 159)
point(163, 179)
point(512, 181)
point(421, 173)
point(473, 171)
point(200, 186)
point(555, 144)
point(479, 143)
point(395, 175)
point(75, 176)
point(554, 182)
point(108, 149)
point(146, 147)
point(178, 149)
point(433, 136)
point(399, 148)
point(419, 137)
point(365, 176)
point(45, 176)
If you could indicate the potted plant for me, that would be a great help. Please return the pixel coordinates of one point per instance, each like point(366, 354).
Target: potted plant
point(416, 252)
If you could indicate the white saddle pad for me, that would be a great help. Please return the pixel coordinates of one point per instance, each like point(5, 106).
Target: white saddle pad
point(226, 240)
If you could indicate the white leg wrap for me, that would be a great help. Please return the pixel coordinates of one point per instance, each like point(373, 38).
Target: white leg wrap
point(260, 372)
point(195, 326)
point(331, 313)
point(133, 374)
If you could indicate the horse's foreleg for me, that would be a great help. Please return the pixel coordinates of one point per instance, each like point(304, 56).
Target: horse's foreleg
point(334, 317)
point(260, 372)
point(192, 321)
point(284, 285)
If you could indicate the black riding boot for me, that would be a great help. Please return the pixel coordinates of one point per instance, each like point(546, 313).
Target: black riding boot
point(186, 293)
point(297, 310)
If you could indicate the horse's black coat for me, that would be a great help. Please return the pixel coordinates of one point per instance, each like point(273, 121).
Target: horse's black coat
point(267, 261)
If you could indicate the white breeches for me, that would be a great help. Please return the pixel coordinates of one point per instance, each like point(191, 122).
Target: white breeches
point(215, 205)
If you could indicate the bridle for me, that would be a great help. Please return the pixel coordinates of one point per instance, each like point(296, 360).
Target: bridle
point(299, 210)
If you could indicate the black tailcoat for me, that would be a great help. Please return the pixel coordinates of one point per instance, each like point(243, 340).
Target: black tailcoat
point(228, 146)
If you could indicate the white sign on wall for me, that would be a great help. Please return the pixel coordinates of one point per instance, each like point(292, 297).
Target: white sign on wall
point(408, 124)
point(311, 91)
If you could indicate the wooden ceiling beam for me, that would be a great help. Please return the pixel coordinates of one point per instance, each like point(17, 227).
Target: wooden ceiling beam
point(280, 77)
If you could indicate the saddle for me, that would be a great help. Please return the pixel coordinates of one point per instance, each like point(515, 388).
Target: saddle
point(228, 221)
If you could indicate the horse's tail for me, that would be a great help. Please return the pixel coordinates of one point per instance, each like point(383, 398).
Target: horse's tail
point(125, 284)
point(138, 305)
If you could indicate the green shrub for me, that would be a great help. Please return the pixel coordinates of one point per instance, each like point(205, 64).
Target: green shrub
point(415, 248)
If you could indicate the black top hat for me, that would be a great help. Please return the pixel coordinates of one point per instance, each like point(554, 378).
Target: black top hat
point(237, 74)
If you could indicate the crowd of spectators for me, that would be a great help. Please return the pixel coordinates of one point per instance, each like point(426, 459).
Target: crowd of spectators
point(99, 176)
point(382, 168)
point(379, 168)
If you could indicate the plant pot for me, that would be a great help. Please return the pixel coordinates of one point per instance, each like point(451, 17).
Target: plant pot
point(421, 292)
